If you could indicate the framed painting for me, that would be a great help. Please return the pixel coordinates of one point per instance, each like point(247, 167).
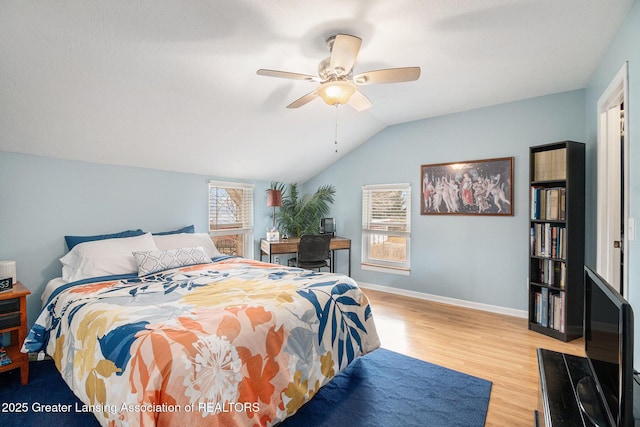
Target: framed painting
point(476, 187)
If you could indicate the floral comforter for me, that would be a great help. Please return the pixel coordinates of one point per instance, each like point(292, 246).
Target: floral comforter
point(232, 343)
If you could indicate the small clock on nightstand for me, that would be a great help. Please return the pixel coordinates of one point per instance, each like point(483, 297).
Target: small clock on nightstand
point(6, 283)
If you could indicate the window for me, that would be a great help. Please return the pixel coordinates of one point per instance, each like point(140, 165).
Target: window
point(231, 217)
point(386, 227)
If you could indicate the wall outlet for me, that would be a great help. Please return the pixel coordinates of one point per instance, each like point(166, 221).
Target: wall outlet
point(276, 260)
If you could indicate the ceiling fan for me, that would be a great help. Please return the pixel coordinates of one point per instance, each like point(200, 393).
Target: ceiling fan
point(338, 85)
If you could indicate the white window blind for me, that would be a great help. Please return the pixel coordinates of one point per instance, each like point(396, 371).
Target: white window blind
point(231, 217)
point(386, 226)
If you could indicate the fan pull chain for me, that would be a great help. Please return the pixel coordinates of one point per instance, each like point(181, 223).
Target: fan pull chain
point(335, 141)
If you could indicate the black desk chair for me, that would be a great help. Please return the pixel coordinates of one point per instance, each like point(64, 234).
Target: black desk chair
point(313, 252)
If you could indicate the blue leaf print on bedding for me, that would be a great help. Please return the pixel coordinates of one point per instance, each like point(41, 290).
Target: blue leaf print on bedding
point(322, 284)
point(116, 344)
point(367, 312)
point(356, 336)
point(36, 339)
point(347, 301)
point(354, 318)
point(323, 320)
point(313, 299)
point(278, 275)
point(345, 324)
point(342, 288)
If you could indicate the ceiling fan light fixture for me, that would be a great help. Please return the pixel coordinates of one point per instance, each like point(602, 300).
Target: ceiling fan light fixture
point(336, 92)
point(335, 75)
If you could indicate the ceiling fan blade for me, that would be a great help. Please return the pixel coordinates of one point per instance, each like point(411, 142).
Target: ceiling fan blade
point(343, 53)
point(303, 100)
point(388, 75)
point(359, 102)
point(286, 75)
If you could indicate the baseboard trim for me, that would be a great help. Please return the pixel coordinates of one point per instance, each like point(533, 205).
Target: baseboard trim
point(446, 300)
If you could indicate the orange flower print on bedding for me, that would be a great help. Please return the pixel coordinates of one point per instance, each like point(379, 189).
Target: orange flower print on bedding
point(261, 370)
point(229, 327)
point(195, 267)
point(275, 340)
point(190, 324)
point(259, 383)
point(152, 351)
point(258, 316)
point(89, 289)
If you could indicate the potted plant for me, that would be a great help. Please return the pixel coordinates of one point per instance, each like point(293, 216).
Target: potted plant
point(301, 214)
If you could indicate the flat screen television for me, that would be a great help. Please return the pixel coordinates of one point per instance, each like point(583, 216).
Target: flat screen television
point(608, 332)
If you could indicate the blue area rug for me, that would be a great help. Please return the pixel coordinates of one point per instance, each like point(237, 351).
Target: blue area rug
point(382, 388)
point(20, 404)
point(388, 389)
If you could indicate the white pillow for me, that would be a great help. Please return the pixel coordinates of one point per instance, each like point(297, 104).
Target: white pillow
point(154, 261)
point(187, 240)
point(105, 257)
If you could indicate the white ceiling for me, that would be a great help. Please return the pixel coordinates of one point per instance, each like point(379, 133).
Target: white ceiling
point(172, 85)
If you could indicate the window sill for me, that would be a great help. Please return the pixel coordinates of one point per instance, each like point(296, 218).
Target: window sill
point(385, 269)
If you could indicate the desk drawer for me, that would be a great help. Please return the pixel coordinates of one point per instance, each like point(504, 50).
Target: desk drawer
point(9, 305)
point(9, 320)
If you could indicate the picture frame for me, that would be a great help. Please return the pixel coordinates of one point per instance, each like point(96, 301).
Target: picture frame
point(472, 187)
point(273, 236)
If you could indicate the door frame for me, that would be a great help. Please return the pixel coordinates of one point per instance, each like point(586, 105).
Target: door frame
point(616, 92)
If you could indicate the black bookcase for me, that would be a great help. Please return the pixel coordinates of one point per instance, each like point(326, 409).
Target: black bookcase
point(556, 250)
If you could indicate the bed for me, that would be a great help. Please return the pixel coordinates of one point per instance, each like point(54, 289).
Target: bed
point(223, 341)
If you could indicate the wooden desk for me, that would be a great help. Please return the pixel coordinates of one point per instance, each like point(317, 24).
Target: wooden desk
point(290, 246)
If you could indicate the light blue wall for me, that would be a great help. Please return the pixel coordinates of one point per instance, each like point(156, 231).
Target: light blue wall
point(479, 259)
point(43, 199)
point(625, 47)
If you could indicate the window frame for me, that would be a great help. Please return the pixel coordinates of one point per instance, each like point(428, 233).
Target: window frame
point(245, 225)
point(376, 264)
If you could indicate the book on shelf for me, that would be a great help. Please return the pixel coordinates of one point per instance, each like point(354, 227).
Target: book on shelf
point(562, 204)
point(558, 310)
point(551, 272)
point(550, 308)
point(4, 357)
point(548, 203)
point(550, 165)
point(548, 241)
point(560, 307)
point(553, 208)
point(544, 302)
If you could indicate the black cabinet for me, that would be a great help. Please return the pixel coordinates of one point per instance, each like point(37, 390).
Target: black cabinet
point(562, 393)
point(556, 227)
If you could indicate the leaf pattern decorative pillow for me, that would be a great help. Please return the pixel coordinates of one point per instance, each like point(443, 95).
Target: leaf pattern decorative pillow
point(153, 261)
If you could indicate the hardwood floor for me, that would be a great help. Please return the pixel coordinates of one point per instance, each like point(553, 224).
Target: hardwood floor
point(492, 346)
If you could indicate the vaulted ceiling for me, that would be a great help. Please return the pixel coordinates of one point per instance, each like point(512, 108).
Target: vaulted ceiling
point(172, 85)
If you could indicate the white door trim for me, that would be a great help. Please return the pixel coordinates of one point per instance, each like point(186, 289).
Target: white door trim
point(617, 92)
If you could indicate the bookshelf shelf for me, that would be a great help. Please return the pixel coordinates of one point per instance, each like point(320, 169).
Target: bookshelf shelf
point(556, 226)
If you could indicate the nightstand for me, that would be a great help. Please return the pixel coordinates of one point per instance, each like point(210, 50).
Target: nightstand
point(13, 319)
